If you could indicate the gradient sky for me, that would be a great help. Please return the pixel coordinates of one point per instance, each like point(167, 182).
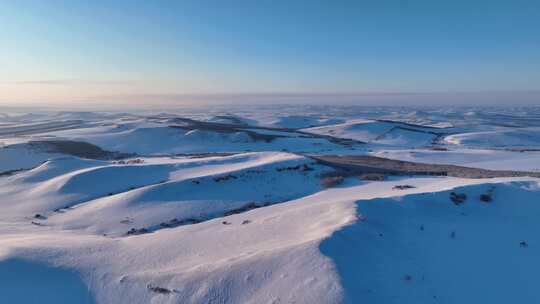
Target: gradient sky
point(76, 51)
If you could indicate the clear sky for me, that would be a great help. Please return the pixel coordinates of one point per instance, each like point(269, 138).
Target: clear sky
point(190, 51)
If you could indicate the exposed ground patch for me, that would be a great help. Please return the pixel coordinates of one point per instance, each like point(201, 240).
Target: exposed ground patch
point(362, 164)
point(77, 148)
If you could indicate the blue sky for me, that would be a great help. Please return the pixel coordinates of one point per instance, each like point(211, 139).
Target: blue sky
point(67, 51)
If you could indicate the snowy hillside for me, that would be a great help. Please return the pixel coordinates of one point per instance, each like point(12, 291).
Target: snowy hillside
point(303, 205)
point(388, 133)
point(525, 138)
point(423, 248)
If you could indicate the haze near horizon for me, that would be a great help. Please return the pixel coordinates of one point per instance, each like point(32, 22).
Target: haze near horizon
point(74, 53)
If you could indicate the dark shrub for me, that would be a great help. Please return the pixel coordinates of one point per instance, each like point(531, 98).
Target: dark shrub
point(332, 181)
point(458, 198)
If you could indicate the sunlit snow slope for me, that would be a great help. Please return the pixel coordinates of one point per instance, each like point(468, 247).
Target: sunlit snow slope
point(237, 205)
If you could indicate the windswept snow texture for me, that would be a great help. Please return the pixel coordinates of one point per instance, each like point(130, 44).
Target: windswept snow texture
point(231, 205)
point(423, 248)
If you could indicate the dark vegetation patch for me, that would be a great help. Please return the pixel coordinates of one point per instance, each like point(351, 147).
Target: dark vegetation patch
point(337, 177)
point(332, 181)
point(303, 168)
point(77, 148)
point(458, 198)
point(130, 161)
point(488, 196)
point(176, 222)
point(522, 150)
point(242, 209)
point(134, 231)
point(403, 187)
point(362, 164)
point(40, 216)
point(158, 289)
point(11, 172)
point(224, 178)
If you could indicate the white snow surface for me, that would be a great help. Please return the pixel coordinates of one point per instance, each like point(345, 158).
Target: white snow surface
point(477, 158)
point(177, 222)
point(278, 257)
point(378, 132)
point(506, 138)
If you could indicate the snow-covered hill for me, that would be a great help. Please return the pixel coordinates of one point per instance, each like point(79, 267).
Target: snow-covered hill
point(386, 133)
point(424, 248)
point(239, 206)
point(524, 138)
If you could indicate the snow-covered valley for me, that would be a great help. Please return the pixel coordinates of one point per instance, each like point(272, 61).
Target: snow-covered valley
point(235, 206)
